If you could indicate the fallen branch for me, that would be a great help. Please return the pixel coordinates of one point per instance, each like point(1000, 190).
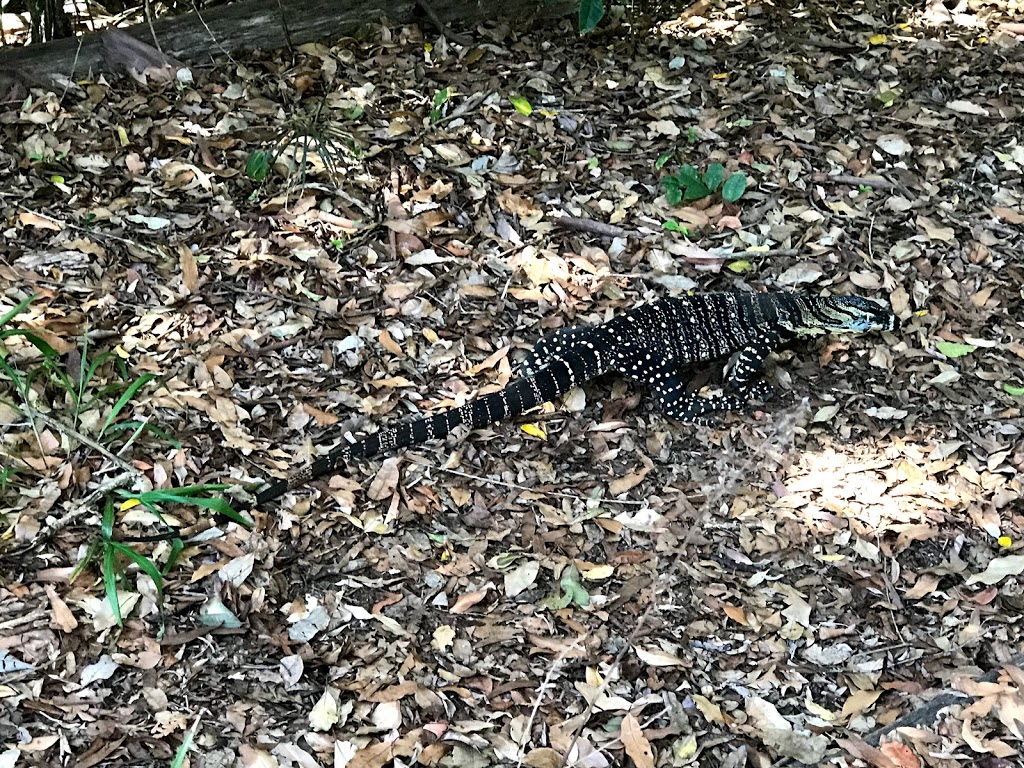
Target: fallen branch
point(592, 227)
point(872, 182)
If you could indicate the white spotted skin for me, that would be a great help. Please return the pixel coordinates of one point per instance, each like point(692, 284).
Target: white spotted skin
point(650, 344)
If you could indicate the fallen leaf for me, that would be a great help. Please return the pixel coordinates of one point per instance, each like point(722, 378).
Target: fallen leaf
point(635, 743)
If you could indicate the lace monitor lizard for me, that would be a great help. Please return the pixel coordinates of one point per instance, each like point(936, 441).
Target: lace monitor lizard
point(650, 344)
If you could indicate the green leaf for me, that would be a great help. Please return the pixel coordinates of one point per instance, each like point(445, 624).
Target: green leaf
point(591, 13)
point(145, 565)
point(441, 97)
point(951, 349)
point(734, 187)
point(660, 162)
point(109, 569)
point(689, 175)
point(1013, 389)
point(125, 398)
point(714, 175)
point(257, 167)
point(16, 310)
point(188, 495)
point(674, 195)
point(107, 523)
point(696, 190)
point(48, 352)
point(740, 266)
point(522, 105)
point(671, 226)
point(143, 426)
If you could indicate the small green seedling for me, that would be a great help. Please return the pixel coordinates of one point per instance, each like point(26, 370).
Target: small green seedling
point(689, 184)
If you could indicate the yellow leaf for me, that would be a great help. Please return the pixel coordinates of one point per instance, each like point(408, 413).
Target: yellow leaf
point(819, 711)
point(122, 136)
point(859, 701)
point(1005, 541)
point(443, 637)
point(878, 40)
point(720, 76)
point(599, 572)
point(711, 711)
point(129, 504)
point(429, 335)
point(685, 748)
point(830, 558)
point(740, 266)
point(534, 431)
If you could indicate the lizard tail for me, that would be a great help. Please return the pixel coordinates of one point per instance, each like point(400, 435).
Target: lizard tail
point(556, 378)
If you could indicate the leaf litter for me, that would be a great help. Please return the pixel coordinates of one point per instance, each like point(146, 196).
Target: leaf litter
point(598, 585)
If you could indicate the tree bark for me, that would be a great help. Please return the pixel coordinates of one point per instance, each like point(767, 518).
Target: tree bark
point(249, 24)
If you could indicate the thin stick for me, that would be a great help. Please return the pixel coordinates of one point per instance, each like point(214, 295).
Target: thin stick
point(81, 509)
point(84, 440)
point(576, 224)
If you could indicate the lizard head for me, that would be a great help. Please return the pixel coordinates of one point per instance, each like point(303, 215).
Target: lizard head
point(841, 314)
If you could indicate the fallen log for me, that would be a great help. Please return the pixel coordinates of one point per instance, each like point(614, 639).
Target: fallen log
point(198, 38)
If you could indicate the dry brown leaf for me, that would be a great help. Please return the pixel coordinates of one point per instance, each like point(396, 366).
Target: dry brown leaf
point(189, 268)
point(385, 481)
point(620, 485)
point(388, 342)
point(59, 611)
point(636, 744)
point(467, 601)
point(857, 747)
point(736, 613)
point(29, 219)
point(900, 754)
point(544, 757)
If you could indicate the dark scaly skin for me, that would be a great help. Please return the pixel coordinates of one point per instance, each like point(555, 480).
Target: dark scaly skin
point(649, 344)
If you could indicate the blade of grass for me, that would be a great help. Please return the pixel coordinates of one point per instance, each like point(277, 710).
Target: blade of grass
point(145, 427)
point(109, 569)
point(125, 398)
point(146, 565)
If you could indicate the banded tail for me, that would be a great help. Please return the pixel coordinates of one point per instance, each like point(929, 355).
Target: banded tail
point(555, 378)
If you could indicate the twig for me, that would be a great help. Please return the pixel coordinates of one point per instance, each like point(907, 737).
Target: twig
point(873, 182)
point(223, 50)
point(467, 105)
point(553, 494)
point(94, 232)
point(592, 227)
point(546, 685)
point(81, 509)
point(441, 26)
point(84, 440)
point(147, 11)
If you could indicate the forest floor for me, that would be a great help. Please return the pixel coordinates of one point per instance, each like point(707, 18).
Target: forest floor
point(832, 579)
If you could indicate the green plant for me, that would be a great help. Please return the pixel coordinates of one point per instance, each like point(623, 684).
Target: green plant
point(689, 184)
point(315, 131)
point(440, 99)
point(43, 387)
point(591, 13)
